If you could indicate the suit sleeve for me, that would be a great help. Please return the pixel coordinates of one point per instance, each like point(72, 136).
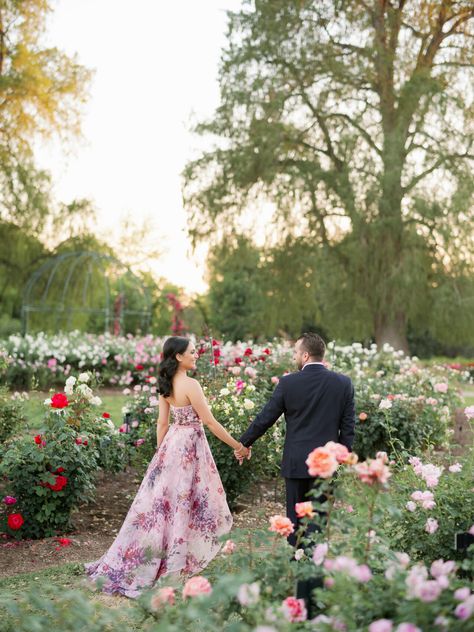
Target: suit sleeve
point(269, 414)
point(347, 425)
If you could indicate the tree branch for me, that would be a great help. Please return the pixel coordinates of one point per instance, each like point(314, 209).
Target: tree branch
point(363, 131)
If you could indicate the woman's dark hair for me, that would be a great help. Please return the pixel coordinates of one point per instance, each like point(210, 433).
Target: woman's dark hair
point(169, 364)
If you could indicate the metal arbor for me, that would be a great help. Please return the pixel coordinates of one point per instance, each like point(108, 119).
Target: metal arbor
point(88, 291)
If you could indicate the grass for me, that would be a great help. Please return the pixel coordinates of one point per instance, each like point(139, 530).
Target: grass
point(34, 407)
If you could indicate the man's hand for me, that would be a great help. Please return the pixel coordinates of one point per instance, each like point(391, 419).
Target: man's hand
point(242, 453)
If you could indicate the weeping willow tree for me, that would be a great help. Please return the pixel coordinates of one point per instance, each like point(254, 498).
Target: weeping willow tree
point(41, 94)
point(355, 119)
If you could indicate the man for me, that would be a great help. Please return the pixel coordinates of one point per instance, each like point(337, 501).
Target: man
point(318, 405)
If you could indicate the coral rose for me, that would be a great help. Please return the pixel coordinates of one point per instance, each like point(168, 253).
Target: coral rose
point(229, 547)
point(196, 586)
point(59, 400)
point(338, 450)
point(15, 521)
point(321, 462)
point(363, 416)
point(373, 471)
point(304, 509)
point(282, 525)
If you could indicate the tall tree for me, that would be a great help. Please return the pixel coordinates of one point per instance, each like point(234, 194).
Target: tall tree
point(356, 118)
point(41, 93)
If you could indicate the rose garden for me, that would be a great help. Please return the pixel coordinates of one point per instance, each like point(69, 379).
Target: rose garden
point(77, 423)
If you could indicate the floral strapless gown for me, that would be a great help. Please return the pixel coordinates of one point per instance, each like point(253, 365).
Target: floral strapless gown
point(176, 519)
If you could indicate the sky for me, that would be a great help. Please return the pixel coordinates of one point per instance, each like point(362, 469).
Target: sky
point(155, 69)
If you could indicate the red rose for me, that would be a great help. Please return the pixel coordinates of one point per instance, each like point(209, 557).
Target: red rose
point(238, 360)
point(78, 440)
point(15, 521)
point(139, 367)
point(64, 541)
point(248, 352)
point(61, 482)
point(262, 358)
point(267, 351)
point(59, 400)
point(84, 442)
point(106, 415)
point(217, 353)
point(59, 470)
point(38, 439)
point(215, 343)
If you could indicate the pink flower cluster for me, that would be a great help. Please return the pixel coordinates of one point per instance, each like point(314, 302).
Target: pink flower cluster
point(374, 470)
point(294, 610)
point(428, 590)
point(424, 499)
point(344, 564)
point(162, 597)
point(465, 609)
point(429, 473)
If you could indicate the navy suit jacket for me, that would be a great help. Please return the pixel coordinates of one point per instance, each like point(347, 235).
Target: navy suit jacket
point(318, 405)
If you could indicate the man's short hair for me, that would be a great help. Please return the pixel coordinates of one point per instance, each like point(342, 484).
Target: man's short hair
point(313, 344)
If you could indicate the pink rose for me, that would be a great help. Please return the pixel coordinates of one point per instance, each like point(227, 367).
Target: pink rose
point(441, 387)
point(464, 610)
point(339, 451)
point(196, 586)
point(407, 627)
point(429, 591)
point(275, 379)
point(469, 412)
point(381, 625)
point(441, 568)
point(294, 609)
point(162, 597)
point(373, 471)
point(229, 547)
point(410, 506)
point(362, 573)
point(251, 372)
point(461, 594)
point(282, 525)
point(455, 467)
point(321, 463)
point(428, 504)
point(9, 500)
point(431, 526)
point(319, 553)
point(471, 530)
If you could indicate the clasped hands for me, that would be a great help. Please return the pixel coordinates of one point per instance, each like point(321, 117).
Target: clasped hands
point(242, 453)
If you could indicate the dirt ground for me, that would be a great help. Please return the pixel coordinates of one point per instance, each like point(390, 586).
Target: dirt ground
point(96, 525)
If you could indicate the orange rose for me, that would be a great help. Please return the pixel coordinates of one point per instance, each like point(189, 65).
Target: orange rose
point(281, 525)
point(363, 416)
point(321, 463)
point(304, 509)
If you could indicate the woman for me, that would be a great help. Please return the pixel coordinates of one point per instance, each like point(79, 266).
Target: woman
point(180, 510)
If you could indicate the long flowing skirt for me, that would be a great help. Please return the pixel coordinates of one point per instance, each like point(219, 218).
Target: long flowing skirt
point(175, 521)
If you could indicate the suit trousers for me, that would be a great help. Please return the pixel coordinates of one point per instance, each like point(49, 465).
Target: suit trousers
point(296, 492)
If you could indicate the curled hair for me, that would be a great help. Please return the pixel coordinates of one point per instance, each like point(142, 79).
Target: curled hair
point(169, 364)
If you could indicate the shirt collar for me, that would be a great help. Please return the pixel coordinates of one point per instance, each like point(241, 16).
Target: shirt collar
point(308, 364)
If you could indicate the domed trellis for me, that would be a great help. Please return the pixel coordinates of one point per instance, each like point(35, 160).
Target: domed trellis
point(87, 291)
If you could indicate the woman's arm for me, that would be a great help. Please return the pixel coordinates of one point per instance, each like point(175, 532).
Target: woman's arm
point(200, 405)
point(163, 422)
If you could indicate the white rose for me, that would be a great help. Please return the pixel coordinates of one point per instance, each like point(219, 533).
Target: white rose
point(96, 401)
point(85, 390)
point(84, 377)
point(248, 404)
point(110, 424)
point(70, 381)
point(385, 404)
point(68, 389)
point(125, 410)
point(224, 391)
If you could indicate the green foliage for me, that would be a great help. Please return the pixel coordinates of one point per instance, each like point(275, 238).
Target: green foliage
point(305, 88)
point(12, 415)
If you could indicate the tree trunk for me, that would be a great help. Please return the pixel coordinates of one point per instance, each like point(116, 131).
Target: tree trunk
point(391, 329)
